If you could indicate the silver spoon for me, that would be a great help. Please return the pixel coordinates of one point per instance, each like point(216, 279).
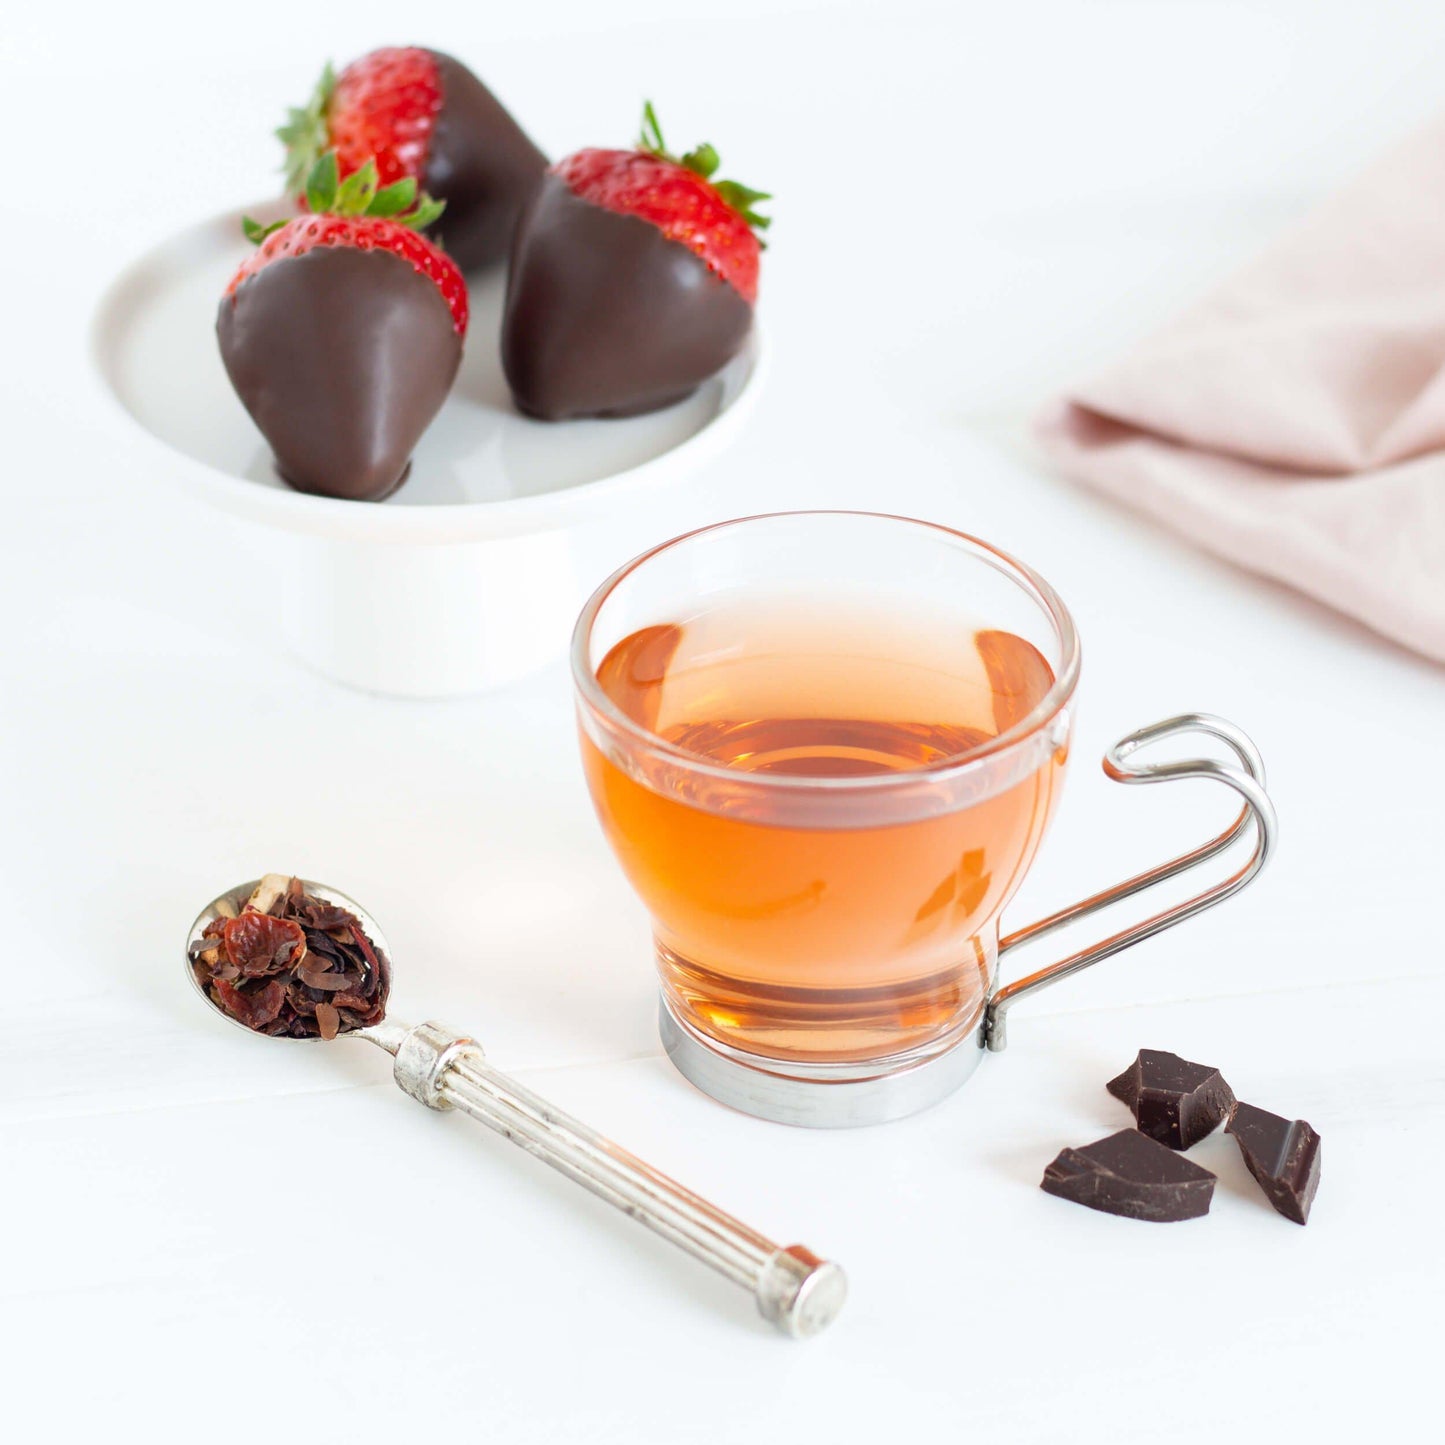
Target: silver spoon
point(796, 1290)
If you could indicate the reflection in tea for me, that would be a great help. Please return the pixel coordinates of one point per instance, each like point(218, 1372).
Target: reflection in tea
point(858, 935)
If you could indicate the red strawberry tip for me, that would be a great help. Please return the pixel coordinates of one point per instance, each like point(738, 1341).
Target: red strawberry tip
point(703, 161)
point(294, 238)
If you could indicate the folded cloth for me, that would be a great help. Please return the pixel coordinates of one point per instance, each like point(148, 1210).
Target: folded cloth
point(1294, 421)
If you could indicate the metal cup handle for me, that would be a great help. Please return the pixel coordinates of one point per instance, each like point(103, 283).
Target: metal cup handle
point(1247, 780)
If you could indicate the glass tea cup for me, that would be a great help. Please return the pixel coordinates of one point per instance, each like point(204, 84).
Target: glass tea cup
point(825, 748)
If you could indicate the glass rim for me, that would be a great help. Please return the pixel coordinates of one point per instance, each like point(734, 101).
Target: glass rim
point(1053, 702)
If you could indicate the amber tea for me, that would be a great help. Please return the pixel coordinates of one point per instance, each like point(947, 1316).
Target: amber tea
point(825, 747)
point(801, 910)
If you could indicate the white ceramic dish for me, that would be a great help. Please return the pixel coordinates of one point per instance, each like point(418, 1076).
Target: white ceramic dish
point(471, 575)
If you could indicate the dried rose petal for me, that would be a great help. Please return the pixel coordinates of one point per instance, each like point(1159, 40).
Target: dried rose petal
point(364, 944)
point(255, 1010)
point(259, 944)
point(322, 975)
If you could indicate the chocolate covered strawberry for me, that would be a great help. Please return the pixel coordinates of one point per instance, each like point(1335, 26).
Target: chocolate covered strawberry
point(421, 114)
point(632, 280)
point(342, 332)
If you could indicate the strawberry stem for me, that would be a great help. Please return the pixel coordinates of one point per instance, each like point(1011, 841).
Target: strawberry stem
point(651, 139)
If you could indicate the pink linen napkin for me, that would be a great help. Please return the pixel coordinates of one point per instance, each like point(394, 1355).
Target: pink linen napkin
point(1294, 421)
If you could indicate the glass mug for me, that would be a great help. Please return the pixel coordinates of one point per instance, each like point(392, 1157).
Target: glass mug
point(825, 748)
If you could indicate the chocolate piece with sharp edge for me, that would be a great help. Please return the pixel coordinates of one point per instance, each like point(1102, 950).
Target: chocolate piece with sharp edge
point(1132, 1175)
point(1174, 1101)
point(1283, 1155)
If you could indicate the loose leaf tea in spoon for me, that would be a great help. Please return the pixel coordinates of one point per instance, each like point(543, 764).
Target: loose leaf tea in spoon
point(292, 965)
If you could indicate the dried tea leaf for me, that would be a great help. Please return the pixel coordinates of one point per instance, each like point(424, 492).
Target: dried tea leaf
point(255, 1009)
point(306, 969)
point(326, 982)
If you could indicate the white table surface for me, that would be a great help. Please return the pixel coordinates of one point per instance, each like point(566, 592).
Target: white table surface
point(211, 1238)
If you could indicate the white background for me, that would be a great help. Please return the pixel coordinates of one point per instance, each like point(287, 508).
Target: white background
point(205, 1237)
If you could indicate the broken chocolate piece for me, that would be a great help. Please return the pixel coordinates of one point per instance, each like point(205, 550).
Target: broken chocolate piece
point(1282, 1154)
point(1132, 1175)
point(1174, 1101)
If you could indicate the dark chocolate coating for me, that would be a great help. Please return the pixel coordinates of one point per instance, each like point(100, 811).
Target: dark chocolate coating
point(1174, 1101)
point(1133, 1175)
point(1283, 1155)
point(606, 316)
point(343, 358)
point(481, 163)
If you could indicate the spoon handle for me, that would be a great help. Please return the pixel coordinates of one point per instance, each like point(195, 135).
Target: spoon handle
point(796, 1290)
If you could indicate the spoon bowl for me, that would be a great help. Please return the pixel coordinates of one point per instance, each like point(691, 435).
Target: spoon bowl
point(233, 900)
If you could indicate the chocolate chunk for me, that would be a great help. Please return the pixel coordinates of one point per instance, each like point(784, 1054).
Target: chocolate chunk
point(342, 357)
point(1283, 1156)
point(1133, 1175)
point(606, 316)
point(1174, 1101)
point(481, 164)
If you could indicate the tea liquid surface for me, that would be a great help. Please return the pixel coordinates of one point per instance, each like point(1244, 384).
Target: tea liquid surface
point(864, 937)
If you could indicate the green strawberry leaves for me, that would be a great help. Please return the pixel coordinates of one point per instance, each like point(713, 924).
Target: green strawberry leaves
point(354, 196)
point(392, 200)
point(256, 232)
point(399, 201)
point(327, 194)
point(426, 210)
point(322, 184)
point(703, 161)
point(361, 195)
point(305, 134)
point(742, 198)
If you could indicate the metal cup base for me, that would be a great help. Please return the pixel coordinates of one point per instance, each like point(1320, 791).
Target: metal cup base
point(821, 1096)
